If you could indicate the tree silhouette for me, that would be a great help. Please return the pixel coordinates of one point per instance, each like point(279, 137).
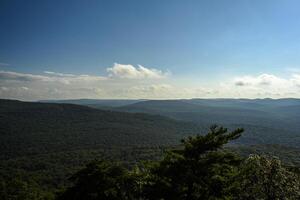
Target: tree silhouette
point(100, 180)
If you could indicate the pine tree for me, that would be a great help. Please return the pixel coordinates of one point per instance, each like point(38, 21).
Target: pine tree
point(200, 170)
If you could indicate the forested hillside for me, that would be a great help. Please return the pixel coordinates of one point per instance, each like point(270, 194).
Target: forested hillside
point(199, 169)
point(35, 128)
point(267, 121)
point(43, 144)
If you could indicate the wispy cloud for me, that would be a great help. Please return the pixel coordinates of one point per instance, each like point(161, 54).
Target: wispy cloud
point(15, 76)
point(4, 64)
point(293, 69)
point(59, 74)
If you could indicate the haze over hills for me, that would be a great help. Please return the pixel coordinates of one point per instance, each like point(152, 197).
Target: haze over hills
point(267, 121)
point(221, 110)
point(31, 128)
point(95, 102)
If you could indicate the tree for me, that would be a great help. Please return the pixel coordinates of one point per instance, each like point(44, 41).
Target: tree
point(100, 180)
point(18, 189)
point(200, 170)
point(263, 177)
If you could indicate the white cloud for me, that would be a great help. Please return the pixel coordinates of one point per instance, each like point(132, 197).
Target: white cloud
point(120, 81)
point(49, 85)
point(151, 91)
point(131, 72)
point(264, 85)
point(261, 80)
point(126, 81)
point(58, 74)
point(165, 91)
point(67, 78)
point(7, 75)
point(4, 88)
point(25, 88)
point(296, 79)
point(4, 64)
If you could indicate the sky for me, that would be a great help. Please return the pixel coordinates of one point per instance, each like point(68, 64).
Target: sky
point(115, 49)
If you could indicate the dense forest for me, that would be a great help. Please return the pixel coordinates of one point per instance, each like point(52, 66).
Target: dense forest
point(55, 150)
point(266, 121)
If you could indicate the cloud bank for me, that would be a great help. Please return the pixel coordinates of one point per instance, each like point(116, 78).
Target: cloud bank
point(127, 81)
point(261, 80)
point(266, 85)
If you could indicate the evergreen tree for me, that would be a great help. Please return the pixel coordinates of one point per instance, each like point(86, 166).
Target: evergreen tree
point(100, 180)
point(201, 170)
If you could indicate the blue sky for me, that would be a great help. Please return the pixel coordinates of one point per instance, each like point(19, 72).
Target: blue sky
point(199, 44)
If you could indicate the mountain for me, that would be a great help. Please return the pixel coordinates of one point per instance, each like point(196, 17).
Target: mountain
point(224, 112)
point(39, 128)
point(246, 103)
point(267, 121)
point(95, 102)
point(42, 144)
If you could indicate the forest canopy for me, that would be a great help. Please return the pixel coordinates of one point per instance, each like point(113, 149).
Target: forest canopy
point(200, 169)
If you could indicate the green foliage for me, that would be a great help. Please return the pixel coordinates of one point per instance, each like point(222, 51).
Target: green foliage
point(41, 128)
point(18, 189)
point(261, 177)
point(48, 142)
point(201, 170)
point(288, 155)
point(101, 180)
point(42, 144)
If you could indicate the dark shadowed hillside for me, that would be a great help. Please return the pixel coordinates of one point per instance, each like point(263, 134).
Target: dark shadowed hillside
point(36, 128)
point(44, 143)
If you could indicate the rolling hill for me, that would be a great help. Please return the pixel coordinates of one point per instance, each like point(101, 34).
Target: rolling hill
point(95, 102)
point(35, 128)
point(267, 121)
point(44, 143)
